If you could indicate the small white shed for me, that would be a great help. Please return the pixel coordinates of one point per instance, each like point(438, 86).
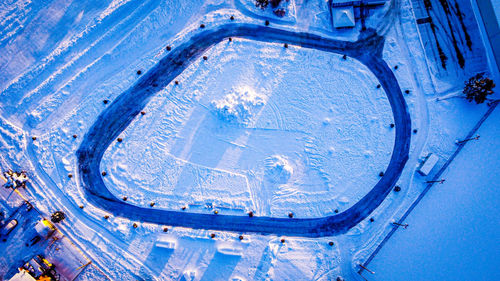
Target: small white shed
point(343, 17)
point(342, 13)
point(429, 163)
point(22, 275)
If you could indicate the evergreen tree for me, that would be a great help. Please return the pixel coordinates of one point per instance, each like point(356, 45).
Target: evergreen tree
point(478, 88)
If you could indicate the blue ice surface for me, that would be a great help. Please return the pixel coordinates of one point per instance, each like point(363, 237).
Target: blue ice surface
point(454, 231)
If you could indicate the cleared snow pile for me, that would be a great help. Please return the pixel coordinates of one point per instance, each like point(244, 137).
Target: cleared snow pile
point(239, 107)
point(165, 242)
point(189, 275)
point(278, 170)
point(230, 251)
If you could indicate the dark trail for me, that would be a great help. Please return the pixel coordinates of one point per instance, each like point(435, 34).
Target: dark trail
point(118, 115)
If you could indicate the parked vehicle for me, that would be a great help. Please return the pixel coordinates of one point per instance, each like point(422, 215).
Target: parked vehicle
point(39, 267)
point(33, 241)
point(44, 229)
point(8, 228)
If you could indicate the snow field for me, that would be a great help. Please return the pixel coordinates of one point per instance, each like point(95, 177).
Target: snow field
point(303, 137)
point(290, 114)
point(119, 230)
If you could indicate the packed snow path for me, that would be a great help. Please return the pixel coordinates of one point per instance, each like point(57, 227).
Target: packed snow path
point(120, 113)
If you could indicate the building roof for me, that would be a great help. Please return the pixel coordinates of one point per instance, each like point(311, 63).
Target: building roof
point(343, 17)
point(489, 26)
point(22, 275)
point(44, 228)
point(344, 1)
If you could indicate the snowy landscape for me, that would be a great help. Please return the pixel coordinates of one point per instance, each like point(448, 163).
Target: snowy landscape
point(249, 140)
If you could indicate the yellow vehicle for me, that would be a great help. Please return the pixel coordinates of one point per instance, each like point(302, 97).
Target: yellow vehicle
point(41, 269)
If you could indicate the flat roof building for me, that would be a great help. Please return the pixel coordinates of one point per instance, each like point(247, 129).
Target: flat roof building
point(487, 13)
point(22, 275)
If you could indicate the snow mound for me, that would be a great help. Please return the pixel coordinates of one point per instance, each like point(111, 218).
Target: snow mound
point(278, 169)
point(239, 107)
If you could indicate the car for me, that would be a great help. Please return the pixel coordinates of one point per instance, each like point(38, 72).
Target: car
point(39, 266)
point(8, 227)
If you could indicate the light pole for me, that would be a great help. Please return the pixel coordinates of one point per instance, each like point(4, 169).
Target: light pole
point(441, 181)
point(466, 140)
point(400, 224)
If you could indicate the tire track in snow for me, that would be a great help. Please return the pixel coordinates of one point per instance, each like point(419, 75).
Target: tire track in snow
point(90, 58)
point(86, 223)
point(42, 76)
point(16, 19)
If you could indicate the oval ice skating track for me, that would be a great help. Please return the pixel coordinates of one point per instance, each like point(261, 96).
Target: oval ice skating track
point(118, 115)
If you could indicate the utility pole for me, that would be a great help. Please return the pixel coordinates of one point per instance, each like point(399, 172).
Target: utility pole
point(401, 224)
point(363, 267)
point(466, 140)
point(441, 181)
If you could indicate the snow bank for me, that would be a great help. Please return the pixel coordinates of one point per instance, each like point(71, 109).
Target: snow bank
point(239, 107)
point(278, 169)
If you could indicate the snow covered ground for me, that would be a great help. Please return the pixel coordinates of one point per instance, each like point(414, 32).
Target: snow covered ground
point(456, 221)
point(254, 127)
point(261, 128)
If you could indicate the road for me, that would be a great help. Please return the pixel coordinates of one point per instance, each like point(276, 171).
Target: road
point(120, 113)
